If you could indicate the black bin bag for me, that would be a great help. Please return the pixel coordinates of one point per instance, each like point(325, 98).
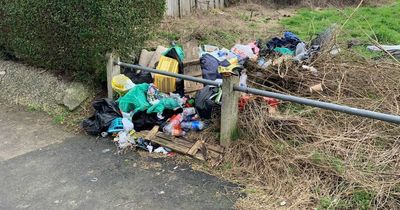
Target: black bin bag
point(106, 110)
point(205, 106)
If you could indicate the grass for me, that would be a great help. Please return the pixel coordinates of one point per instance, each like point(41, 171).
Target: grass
point(311, 158)
point(330, 203)
point(218, 37)
point(379, 23)
point(70, 120)
point(59, 118)
point(335, 163)
point(33, 108)
point(223, 29)
point(362, 199)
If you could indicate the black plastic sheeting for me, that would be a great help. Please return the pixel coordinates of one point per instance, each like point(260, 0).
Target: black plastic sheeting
point(106, 110)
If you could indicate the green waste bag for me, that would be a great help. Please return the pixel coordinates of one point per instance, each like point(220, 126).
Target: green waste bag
point(135, 100)
point(165, 103)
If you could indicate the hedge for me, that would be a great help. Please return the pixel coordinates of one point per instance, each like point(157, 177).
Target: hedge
point(75, 35)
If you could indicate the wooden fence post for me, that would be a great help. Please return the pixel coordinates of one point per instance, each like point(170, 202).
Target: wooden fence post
point(112, 70)
point(229, 111)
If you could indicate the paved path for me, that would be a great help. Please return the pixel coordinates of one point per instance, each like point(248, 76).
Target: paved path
point(43, 167)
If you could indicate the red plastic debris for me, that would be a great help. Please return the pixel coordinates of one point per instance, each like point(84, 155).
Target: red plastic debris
point(171, 154)
point(273, 102)
point(244, 99)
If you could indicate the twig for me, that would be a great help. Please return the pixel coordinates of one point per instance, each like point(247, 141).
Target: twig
point(375, 42)
point(354, 11)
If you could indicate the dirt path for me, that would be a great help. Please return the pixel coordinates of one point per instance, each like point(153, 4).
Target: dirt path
point(44, 167)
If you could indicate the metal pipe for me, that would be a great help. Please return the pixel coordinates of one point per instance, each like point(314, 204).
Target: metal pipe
point(295, 99)
point(181, 76)
point(323, 105)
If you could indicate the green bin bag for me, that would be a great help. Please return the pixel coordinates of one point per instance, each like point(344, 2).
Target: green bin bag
point(164, 103)
point(135, 100)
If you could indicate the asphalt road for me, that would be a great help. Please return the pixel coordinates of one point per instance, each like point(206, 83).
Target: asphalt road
point(44, 167)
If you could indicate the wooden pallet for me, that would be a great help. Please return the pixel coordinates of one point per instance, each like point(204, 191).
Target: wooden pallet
point(199, 149)
point(192, 68)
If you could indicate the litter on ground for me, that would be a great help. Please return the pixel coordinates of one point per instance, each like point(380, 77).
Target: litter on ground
point(155, 113)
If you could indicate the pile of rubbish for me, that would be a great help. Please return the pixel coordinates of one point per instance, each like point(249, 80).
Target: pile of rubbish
point(141, 105)
point(280, 62)
point(145, 100)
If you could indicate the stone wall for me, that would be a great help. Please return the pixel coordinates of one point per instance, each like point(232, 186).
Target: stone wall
point(37, 88)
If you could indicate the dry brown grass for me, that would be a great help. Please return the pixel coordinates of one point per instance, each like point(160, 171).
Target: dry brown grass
point(309, 157)
point(306, 157)
point(239, 24)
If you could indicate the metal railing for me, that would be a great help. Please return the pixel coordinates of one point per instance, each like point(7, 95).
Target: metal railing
point(314, 103)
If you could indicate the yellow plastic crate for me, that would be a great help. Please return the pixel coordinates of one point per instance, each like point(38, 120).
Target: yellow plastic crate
point(166, 84)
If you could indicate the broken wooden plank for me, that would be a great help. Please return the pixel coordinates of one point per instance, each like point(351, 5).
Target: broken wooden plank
point(176, 140)
point(152, 133)
point(176, 147)
point(196, 147)
point(193, 90)
point(213, 155)
point(171, 145)
point(216, 148)
point(187, 143)
point(191, 63)
point(199, 150)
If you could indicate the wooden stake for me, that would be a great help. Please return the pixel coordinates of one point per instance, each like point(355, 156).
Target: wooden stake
point(229, 111)
point(112, 70)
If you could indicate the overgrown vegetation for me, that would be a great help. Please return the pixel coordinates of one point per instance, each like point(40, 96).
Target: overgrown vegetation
point(313, 158)
point(378, 23)
point(308, 158)
point(310, 3)
point(74, 36)
point(223, 28)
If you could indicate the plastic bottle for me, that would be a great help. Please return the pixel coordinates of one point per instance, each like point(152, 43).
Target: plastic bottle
point(177, 131)
point(174, 130)
point(187, 112)
point(243, 79)
point(193, 125)
point(175, 120)
point(190, 103)
point(262, 63)
point(174, 126)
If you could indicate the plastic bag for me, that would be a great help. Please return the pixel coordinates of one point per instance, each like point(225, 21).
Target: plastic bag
point(283, 51)
point(121, 84)
point(138, 77)
point(178, 50)
point(91, 126)
point(244, 51)
point(106, 111)
point(165, 103)
point(205, 106)
point(135, 100)
point(153, 94)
